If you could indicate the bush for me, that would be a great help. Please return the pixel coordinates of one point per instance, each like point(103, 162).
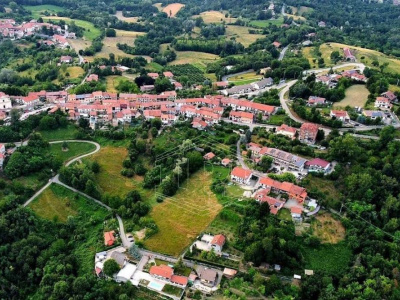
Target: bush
point(127, 173)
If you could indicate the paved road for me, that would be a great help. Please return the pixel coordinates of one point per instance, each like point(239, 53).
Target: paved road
point(56, 180)
point(239, 154)
point(283, 52)
point(358, 66)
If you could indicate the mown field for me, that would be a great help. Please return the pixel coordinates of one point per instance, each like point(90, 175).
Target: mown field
point(110, 179)
point(356, 95)
point(60, 134)
point(122, 18)
point(57, 203)
point(39, 10)
point(363, 55)
point(90, 32)
point(266, 23)
point(172, 9)
point(198, 59)
point(328, 229)
point(213, 16)
point(74, 149)
point(182, 217)
point(241, 34)
point(245, 78)
point(110, 44)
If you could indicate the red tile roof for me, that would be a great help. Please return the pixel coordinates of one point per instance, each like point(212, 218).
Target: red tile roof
point(317, 162)
point(219, 240)
point(109, 238)
point(241, 173)
point(296, 210)
point(182, 280)
point(162, 271)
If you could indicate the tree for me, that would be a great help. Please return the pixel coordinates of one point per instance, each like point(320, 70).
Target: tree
point(64, 145)
point(266, 163)
point(156, 122)
point(195, 161)
point(135, 252)
point(126, 86)
point(163, 84)
point(110, 267)
point(111, 32)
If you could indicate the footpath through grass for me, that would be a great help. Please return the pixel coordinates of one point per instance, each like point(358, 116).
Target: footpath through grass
point(74, 149)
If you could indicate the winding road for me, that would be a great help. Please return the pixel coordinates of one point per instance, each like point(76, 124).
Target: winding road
point(56, 179)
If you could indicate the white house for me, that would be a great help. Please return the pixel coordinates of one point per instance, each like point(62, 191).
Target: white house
point(240, 175)
point(218, 243)
point(383, 103)
point(5, 101)
point(340, 115)
point(318, 165)
point(126, 273)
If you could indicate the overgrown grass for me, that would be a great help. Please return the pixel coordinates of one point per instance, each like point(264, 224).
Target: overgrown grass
point(90, 32)
point(39, 10)
point(74, 149)
point(60, 134)
point(332, 259)
point(172, 290)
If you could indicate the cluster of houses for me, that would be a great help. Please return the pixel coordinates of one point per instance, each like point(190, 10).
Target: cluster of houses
point(167, 74)
point(10, 29)
point(306, 134)
point(110, 108)
point(331, 80)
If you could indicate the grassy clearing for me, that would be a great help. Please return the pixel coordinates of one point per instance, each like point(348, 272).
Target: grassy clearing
point(75, 72)
point(60, 134)
point(333, 259)
point(284, 214)
point(394, 88)
point(225, 225)
point(366, 56)
point(123, 37)
point(328, 229)
point(158, 6)
point(112, 82)
point(301, 10)
point(356, 95)
point(125, 19)
point(245, 78)
point(110, 179)
point(198, 59)
point(39, 10)
point(182, 217)
point(74, 149)
point(55, 204)
point(327, 187)
point(266, 23)
point(172, 9)
point(90, 32)
point(213, 16)
point(241, 34)
point(296, 18)
point(309, 54)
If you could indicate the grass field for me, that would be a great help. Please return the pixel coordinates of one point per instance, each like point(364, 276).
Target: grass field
point(109, 178)
point(182, 217)
point(74, 149)
point(366, 56)
point(328, 229)
point(172, 9)
point(198, 59)
point(213, 16)
point(123, 37)
point(301, 10)
point(333, 259)
point(356, 95)
point(295, 17)
point(158, 6)
point(60, 134)
point(266, 23)
point(245, 78)
point(284, 214)
point(112, 82)
point(128, 20)
point(39, 10)
point(90, 32)
point(327, 187)
point(241, 34)
point(308, 53)
point(394, 88)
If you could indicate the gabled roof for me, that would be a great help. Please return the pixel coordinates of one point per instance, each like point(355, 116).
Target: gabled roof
point(241, 173)
point(219, 240)
point(182, 280)
point(318, 162)
point(162, 271)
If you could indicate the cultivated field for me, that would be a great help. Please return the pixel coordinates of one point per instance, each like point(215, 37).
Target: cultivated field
point(110, 43)
point(245, 78)
point(182, 217)
point(129, 20)
point(266, 23)
point(172, 9)
point(74, 149)
point(366, 56)
point(242, 35)
point(213, 16)
point(356, 95)
point(109, 178)
point(328, 229)
point(198, 59)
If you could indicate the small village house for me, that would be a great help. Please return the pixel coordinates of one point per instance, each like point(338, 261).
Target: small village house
point(109, 238)
point(308, 133)
point(241, 175)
